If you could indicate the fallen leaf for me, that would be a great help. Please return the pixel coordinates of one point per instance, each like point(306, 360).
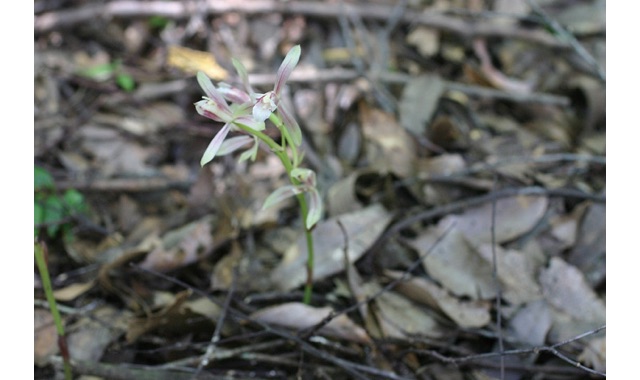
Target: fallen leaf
point(45, 342)
point(514, 216)
point(565, 287)
point(594, 354)
point(362, 226)
point(341, 196)
point(191, 61)
point(388, 146)
point(419, 101)
point(516, 271)
point(90, 336)
point(589, 252)
point(181, 247)
point(531, 323)
point(425, 39)
point(298, 316)
point(72, 291)
point(398, 317)
point(466, 314)
point(453, 263)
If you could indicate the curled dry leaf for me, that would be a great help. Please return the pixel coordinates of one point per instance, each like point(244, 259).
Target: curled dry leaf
point(466, 314)
point(298, 316)
point(452, 262)
point(181, 247)
point(398, 317)
point(595, 354)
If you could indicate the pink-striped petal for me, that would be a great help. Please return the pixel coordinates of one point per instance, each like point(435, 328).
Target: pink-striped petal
point(286, 68)
point(232, 144)
point(212, 93)
point(250, 122)
point(214, 145)
point(291, 124)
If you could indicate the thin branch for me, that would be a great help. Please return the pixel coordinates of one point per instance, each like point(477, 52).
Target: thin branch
point(380, 12)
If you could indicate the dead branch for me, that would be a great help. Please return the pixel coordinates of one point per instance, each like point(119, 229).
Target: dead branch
point(184, 9)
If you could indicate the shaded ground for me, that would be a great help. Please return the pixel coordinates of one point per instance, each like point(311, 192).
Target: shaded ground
point(460, 153)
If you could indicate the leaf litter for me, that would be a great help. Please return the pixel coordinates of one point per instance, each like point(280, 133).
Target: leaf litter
point(414, 128)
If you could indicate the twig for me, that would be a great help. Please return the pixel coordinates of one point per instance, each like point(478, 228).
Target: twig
point(569, 37)
point(552, 349)
point(496, 281)
point(475, 201)
point(312, 75)
point(215, 338)
point(380, 12)
point(353, 369)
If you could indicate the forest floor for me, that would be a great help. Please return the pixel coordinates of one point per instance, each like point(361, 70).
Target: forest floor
point(459, 151)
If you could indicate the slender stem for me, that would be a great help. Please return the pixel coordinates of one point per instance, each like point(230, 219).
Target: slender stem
point(48, 291)
point(281, 152)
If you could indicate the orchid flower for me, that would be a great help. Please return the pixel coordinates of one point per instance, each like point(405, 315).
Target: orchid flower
point(215, 107)
point(246, 112)
point(267, 103)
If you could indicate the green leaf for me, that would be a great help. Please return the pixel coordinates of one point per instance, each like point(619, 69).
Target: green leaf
point(125, 82)
point(74, 201)
point(42, 179)
point(38, 216)
point(158, 22)
point(53, 214)
point(99, 72)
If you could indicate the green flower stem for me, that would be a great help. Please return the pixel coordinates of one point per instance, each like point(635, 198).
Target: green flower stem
point(281, 152)
point(48, 291)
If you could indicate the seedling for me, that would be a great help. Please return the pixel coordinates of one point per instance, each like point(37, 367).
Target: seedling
point(246, 113)
point(54, 211)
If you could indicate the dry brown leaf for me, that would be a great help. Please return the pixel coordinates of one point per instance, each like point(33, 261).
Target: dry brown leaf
point(389, 147)
point(362, 226)
point(400, 318)
point(181, 247)
point(565, 287)
point(514, 216)
point(516, 271)
point(191, 61)
point(171, 313)
point(589, 252)
point(90, 336)
point(298, 316)
point(72, 291)
point(531, 323)
point(594, 354)
point(425, 39)
point(341, 197)
point(419, 101)
point(466, 314)
point(45, 337)
point(453, 263)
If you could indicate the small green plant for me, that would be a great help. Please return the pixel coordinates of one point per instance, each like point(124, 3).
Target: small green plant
point(53, 212)
point(246, 113)
point(106, 71)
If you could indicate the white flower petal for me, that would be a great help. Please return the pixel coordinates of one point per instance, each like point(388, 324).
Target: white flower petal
point(214, 145)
